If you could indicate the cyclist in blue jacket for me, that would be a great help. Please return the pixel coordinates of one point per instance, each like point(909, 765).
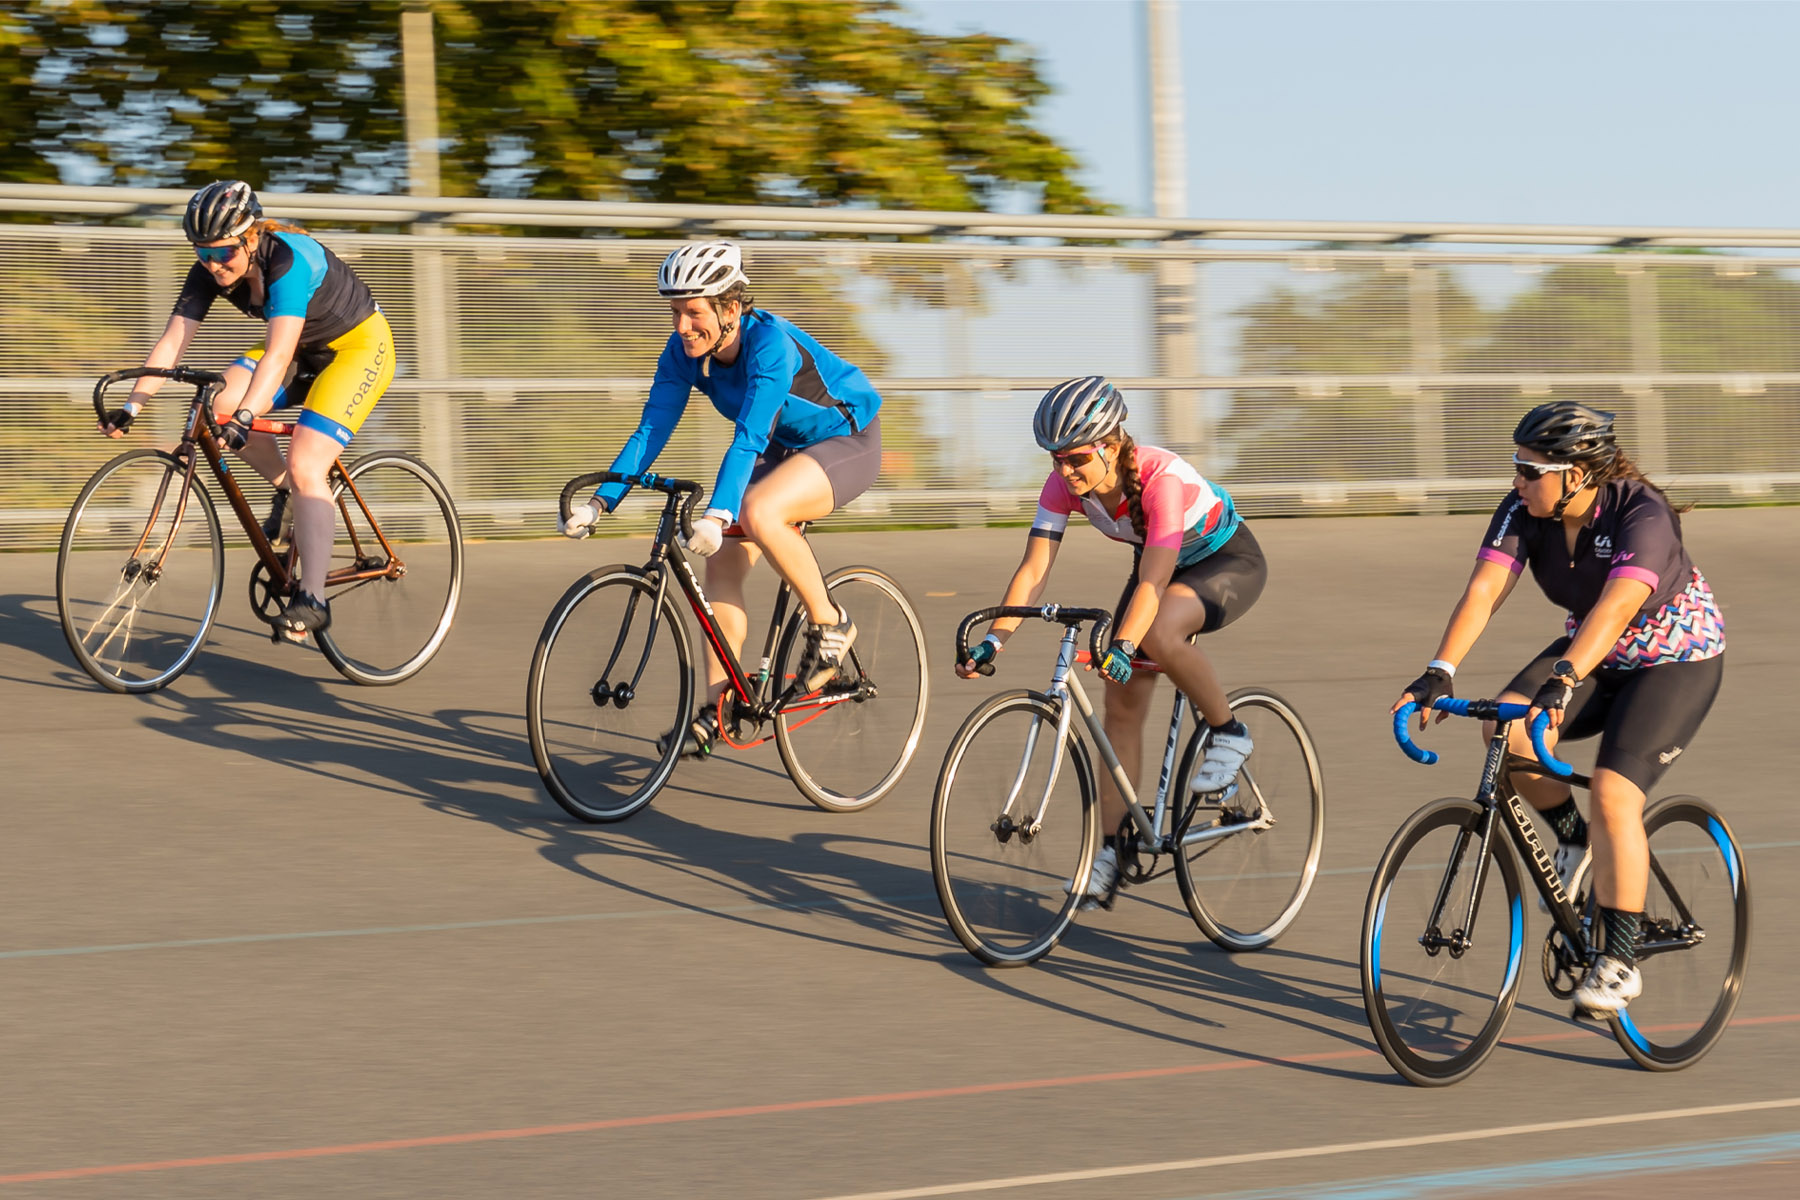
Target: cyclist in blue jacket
point(807, 442)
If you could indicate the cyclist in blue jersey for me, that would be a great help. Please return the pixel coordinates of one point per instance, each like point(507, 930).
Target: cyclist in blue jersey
point(328, 347)
point(807, 441)
point(1639, 663)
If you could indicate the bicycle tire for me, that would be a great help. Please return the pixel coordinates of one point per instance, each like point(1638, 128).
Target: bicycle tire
point(1694, 858)
point(100, 527)
point(864, 745)
point(384, 631)
point(1009, 898)
point(601, 770)
point(1244, 890)
point(1414, 998)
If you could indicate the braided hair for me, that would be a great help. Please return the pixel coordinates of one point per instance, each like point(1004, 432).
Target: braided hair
point(1129, 479)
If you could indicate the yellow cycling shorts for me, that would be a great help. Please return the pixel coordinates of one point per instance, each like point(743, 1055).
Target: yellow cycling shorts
point(338, 382)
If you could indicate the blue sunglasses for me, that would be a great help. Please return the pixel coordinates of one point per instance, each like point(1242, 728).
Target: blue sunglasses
point(216, 254)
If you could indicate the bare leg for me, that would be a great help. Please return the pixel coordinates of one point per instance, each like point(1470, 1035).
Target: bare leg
point(797, 490)
point(1127, 705)
point(1621, 850)
point(725, 575)
point(315, 517)
point(1179, 616)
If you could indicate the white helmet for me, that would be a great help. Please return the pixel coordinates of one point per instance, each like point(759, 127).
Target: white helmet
point(701, 269)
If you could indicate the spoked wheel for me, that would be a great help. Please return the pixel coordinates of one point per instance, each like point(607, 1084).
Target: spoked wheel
point(610, 694)
point(1249, 855)
point(1013, 833)
point(139, 572)
point(846, 745)
point(1438, 985)
point(398, 564)
point(1695, 939)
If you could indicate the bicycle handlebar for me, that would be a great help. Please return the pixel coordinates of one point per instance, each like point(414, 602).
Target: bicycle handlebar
point(665, 484)
point(179, 374)
point(1074, 618)
point(1486, 710)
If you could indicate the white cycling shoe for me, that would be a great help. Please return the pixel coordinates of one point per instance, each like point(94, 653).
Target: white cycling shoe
point(1611, 984)
point(1102, 881)
point(1225, 755)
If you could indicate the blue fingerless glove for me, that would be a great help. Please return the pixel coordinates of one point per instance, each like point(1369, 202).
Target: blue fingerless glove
point(1115, 664)
point(981, 652)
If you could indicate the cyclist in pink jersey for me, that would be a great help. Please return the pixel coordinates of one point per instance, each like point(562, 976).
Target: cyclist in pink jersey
point(1196, 568)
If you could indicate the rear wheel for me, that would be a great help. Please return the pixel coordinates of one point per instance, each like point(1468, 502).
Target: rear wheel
point(139, 572)
point(610, 694)
point(1010, 846)
point(1438, 983)
point(846, 745)
point(1695, 937)
point(1249, 856)
point(398, 566)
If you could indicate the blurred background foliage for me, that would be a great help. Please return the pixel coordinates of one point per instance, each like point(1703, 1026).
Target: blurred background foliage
point(702, 101)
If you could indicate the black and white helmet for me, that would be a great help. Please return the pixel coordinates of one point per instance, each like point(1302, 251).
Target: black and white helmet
point(221, 210)
point(1077, 413)
point(1565, 431)
point(701, 269)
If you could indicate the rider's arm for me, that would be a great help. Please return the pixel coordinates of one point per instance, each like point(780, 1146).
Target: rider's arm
point(1155, 568)
point(166, 353)
point(1601, 629)
point(770, 369)
point(669, 393)
point(271, 368)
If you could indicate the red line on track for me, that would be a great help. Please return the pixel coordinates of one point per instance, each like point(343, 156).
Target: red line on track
point(758, 1110)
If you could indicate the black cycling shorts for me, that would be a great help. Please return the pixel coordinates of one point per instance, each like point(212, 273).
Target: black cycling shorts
point(1228, 581)
point(1645, 716)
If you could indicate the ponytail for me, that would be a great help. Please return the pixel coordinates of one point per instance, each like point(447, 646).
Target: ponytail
point(1622, 467)
point(1129, 481)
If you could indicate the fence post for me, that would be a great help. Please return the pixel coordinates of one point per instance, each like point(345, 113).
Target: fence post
point(1428, 402)
point(1652, 440)
point(439, 436)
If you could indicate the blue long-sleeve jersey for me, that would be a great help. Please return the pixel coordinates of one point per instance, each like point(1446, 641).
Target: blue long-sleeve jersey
point(784, 387)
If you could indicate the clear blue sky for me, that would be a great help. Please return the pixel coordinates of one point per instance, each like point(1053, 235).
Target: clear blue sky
point(1625, 113)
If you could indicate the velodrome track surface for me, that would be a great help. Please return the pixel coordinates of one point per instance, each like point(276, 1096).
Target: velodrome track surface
point(269, 934)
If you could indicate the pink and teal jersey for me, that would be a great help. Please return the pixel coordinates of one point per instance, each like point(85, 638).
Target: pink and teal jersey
point(1182, 510)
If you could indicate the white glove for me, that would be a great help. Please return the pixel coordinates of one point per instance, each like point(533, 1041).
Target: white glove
point(709, 535)
point(581, 521)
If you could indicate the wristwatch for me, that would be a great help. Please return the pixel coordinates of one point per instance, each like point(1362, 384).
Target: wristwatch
point(1562, 668)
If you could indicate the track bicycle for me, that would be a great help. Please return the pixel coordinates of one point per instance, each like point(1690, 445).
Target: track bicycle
point(1015, 819)
point(141, 566)
point(612, 683)
point(1438, 996)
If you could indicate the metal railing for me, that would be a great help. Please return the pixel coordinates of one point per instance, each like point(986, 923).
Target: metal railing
point(1314, 379)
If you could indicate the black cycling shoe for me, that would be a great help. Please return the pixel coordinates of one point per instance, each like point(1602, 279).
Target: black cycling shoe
point(702, 735)
point(302, 616)
point(277, 525)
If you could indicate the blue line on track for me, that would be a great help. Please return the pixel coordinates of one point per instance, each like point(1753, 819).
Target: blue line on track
point(1654, 1160)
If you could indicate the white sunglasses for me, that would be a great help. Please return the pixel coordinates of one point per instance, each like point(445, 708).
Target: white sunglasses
point(1537, 470)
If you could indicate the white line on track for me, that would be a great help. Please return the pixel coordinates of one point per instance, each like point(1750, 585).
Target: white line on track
point(1226, 1160)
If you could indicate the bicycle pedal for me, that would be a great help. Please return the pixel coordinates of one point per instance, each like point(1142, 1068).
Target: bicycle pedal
point(1587, 1015)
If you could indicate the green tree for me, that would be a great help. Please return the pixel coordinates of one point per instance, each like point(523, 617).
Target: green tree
point(718, 101)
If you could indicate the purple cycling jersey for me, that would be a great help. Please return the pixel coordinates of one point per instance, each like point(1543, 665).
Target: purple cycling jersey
point(1632, 534)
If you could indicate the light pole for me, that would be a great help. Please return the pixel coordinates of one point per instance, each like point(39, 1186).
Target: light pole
point(1173, 308)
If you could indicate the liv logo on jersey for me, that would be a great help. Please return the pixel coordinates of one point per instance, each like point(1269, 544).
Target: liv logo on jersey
point(1603, 546)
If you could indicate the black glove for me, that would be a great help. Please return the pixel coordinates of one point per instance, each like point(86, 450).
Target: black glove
point(235, 432)
point(1434, 684)
point(120, 419)
point(1555, 695)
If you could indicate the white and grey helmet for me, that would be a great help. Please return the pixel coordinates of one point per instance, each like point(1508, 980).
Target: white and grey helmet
point(701, 269)
point(221, 210)
point(1078, 413)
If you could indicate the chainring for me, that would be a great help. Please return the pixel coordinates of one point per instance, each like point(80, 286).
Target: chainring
point(265, 601)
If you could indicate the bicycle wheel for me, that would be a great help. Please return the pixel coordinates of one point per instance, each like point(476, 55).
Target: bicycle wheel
point(1437, 1010)
point(1244, 888)
point(848, 744)
point(387, 626)
point(1010, 845)
point(139, 572)
point(1696, 937)
point(611, 680)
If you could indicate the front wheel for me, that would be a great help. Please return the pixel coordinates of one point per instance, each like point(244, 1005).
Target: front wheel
point(610, 694)
point(396, 570)
point(1695, 937)
point(1442, 938)
point(139, 572)
point(1013, 830)
point(846, 745)
point(1248, 856)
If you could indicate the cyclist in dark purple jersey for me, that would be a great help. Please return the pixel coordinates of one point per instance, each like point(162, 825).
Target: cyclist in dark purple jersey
point(1639, 664)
